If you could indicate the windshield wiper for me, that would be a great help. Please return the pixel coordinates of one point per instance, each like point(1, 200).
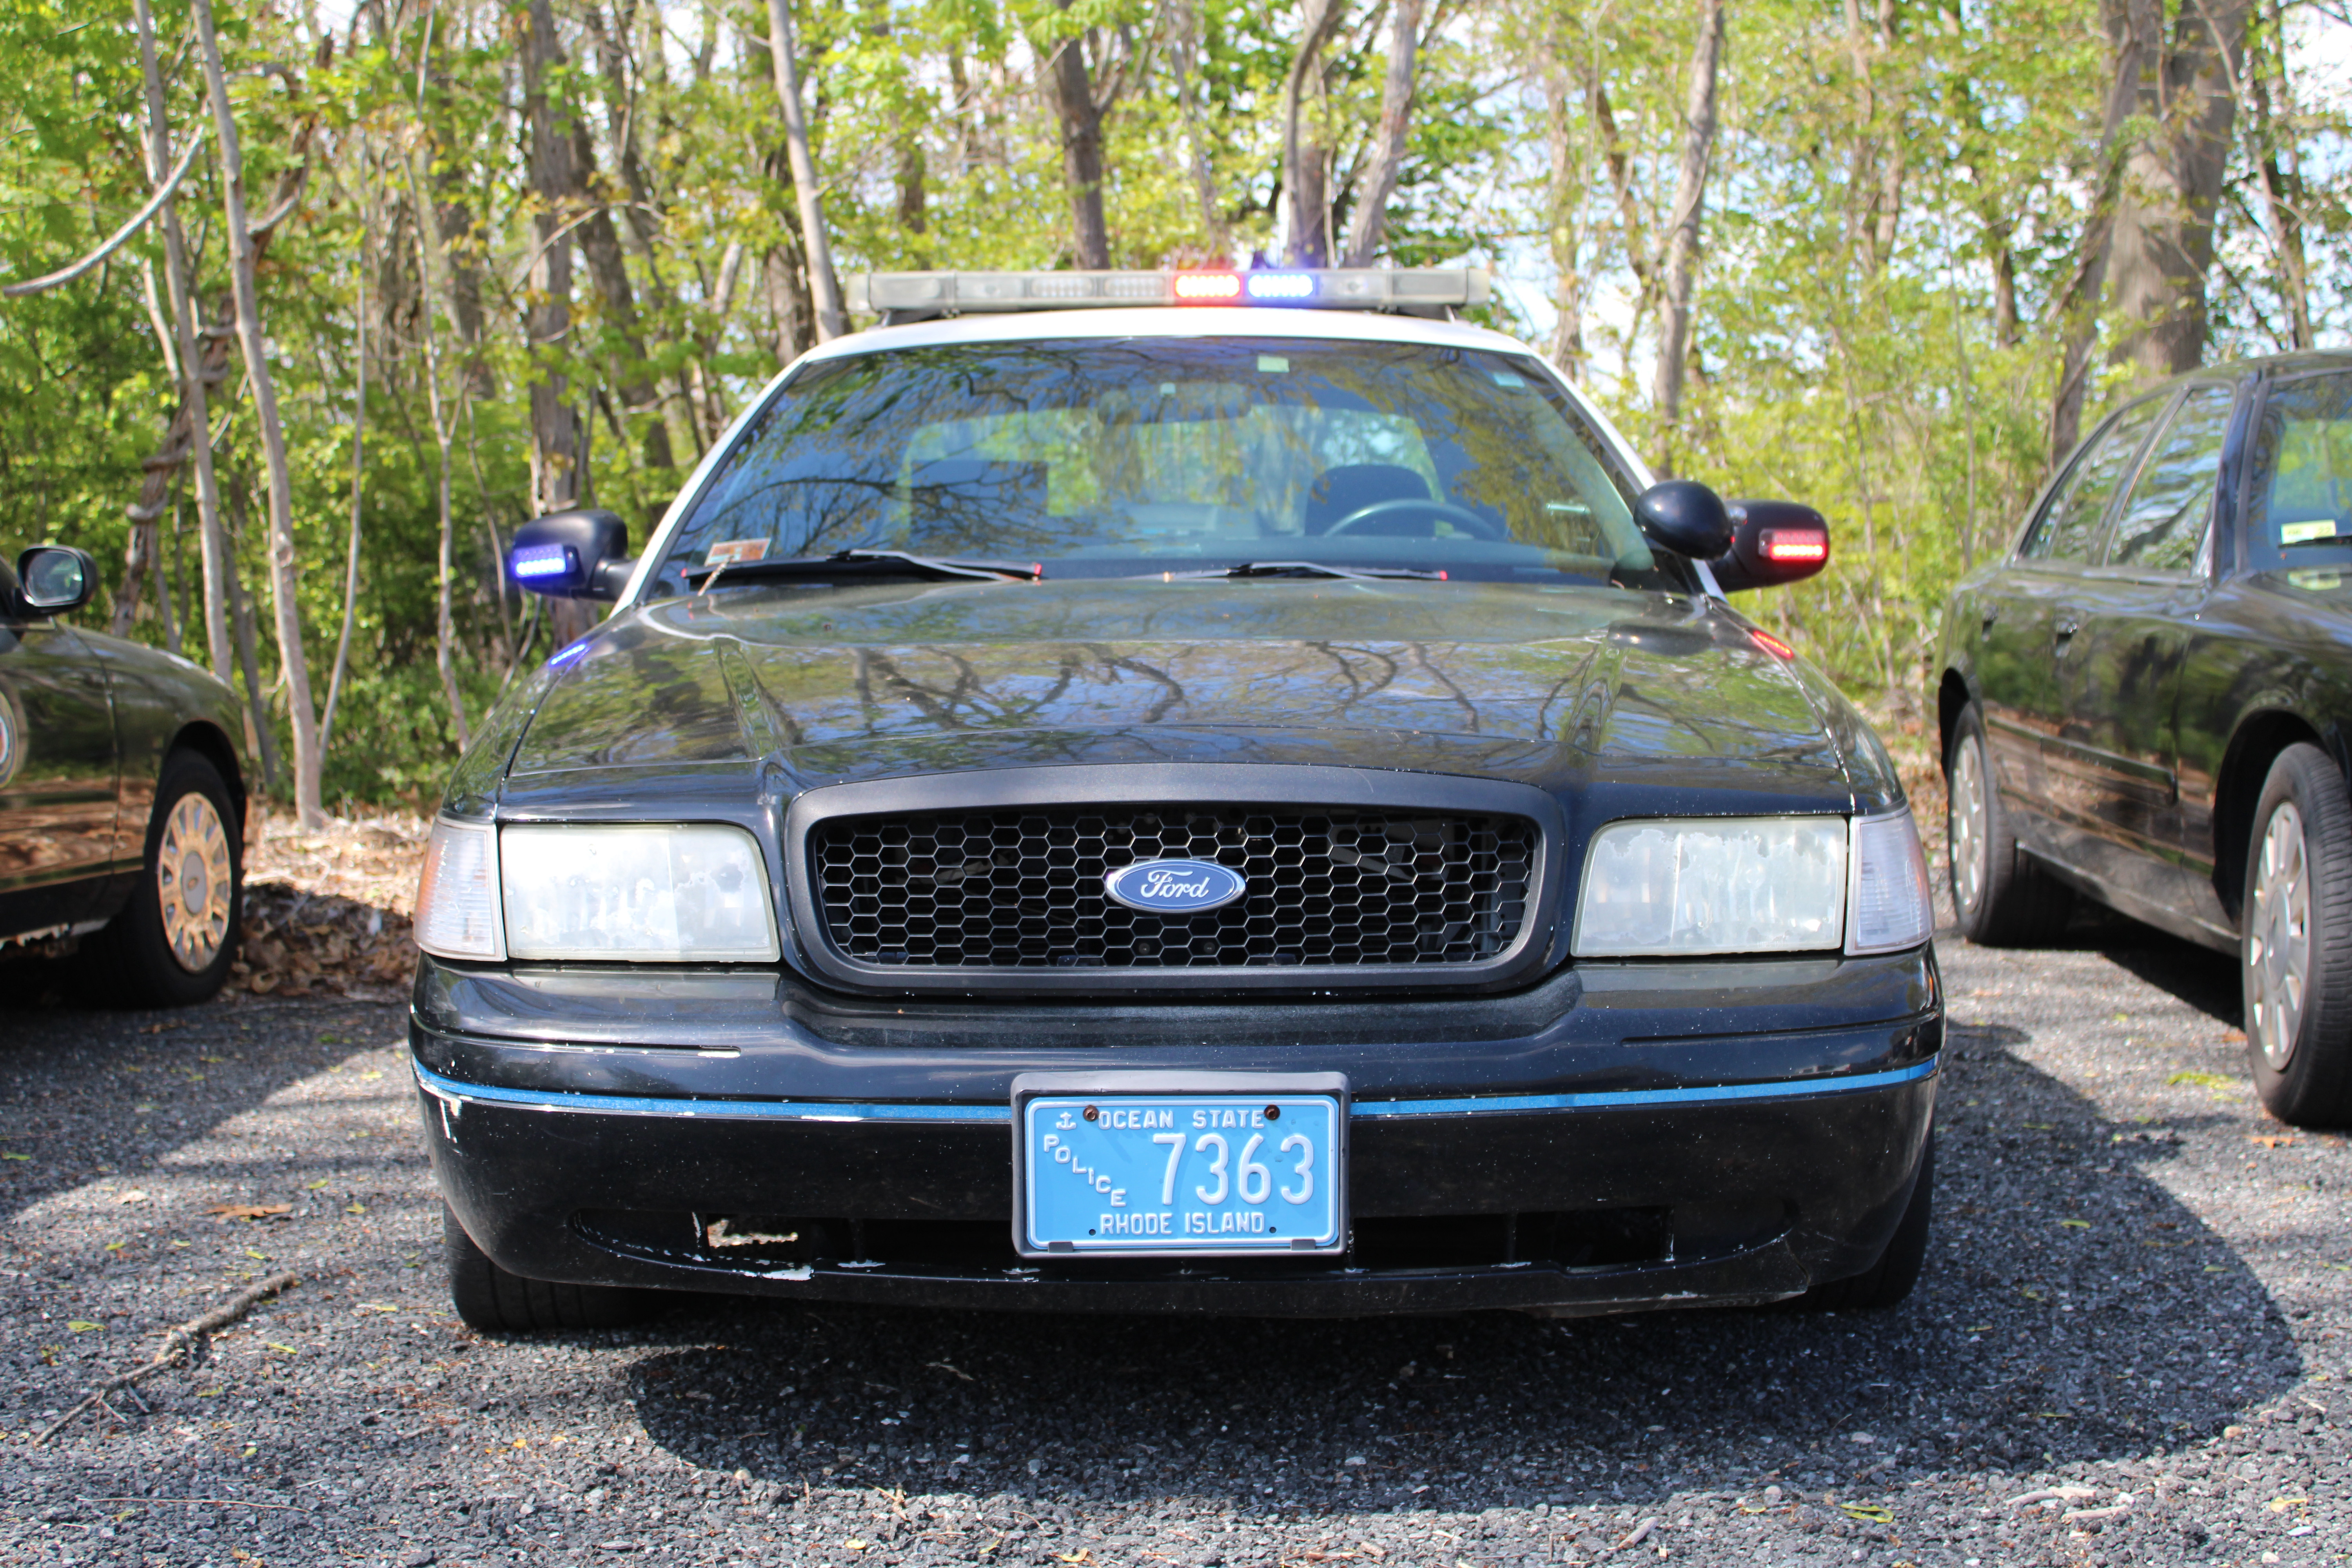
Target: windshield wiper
point(865, 564)
point(1302, 569)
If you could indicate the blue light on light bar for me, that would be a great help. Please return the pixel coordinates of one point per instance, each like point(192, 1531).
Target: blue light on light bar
point(1281, 286)
point(542, 561)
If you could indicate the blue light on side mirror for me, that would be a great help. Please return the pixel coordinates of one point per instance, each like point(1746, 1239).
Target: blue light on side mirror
point(581, 554)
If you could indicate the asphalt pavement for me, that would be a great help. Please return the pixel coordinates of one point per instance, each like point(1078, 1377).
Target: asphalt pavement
point(2130, 1347)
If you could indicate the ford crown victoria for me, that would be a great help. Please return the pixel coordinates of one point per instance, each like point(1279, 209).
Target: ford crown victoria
point(1203, 792)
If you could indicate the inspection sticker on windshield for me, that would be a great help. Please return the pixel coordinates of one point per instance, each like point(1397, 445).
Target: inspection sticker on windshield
point(1245, 1164)
point(727, 551)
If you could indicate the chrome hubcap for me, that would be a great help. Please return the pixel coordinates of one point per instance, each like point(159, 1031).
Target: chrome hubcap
point(2278, 939)
point(1966, 812)
point(192, 881)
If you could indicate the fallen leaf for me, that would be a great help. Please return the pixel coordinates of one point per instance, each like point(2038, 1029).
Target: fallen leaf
point(6, 1156)
point(78, 1326)
point(2281, 1504)
point(1870, 1512)
point(2075, 1223)
point(1083, 1554)
point(249, 1211)
point(2271, 1139)
point(133, 1196)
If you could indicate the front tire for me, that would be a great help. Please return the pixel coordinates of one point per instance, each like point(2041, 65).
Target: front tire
point(1999, 898)
point(495, 1302)
point(2294, 945)
point(172, 944)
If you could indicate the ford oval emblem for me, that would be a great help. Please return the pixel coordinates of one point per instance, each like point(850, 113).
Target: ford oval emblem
point(1175, 887)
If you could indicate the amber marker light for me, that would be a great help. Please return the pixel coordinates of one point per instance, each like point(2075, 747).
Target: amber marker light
point(1770, 644)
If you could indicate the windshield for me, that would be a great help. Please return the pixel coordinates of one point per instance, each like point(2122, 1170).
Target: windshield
point(1135, 456)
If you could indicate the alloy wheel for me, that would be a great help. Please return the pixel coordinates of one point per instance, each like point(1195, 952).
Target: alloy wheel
point(1967, 813)
point(2278, 938)
point(194, 881)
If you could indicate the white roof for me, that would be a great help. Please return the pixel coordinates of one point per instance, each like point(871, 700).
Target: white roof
point(1172, 322)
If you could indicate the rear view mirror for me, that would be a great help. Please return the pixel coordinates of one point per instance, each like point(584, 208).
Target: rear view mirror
point(1772, 542)
point(1685, 516)
point(55, 578)
point(581, 554)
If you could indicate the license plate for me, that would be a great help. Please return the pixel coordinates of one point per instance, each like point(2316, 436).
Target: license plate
point(1133, 1163)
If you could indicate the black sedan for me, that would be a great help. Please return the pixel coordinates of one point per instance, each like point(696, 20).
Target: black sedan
point(121, 799)
point(1249, 810)
point(2145, 702)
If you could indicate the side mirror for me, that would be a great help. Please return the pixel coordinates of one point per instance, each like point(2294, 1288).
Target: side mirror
point(55, 578)
point(1685, 516)
point(581, 554)
point(1772, 542)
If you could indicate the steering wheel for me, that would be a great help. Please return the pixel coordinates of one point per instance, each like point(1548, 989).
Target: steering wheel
point(1477, 526)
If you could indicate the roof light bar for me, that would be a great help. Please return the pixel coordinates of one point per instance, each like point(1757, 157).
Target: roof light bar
point(917, 294)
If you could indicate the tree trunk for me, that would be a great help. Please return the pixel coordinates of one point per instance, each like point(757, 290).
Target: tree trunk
point(352, 548)
point(2162, 246)
point(283, 570)
point(261, 735)
point(1080, 117)
point(2147, 243)
point(554, 422)
point(1184, 66)
point(1388, 158)
point(197, 365)
point(1562, 197)
point(791, 313)
point(824, 289)
point(1682, 237)
point(1304, 208)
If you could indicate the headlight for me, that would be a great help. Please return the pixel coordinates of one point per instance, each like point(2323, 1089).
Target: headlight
point(689, 892)
point(695, 893)
point(457, 898)
point(1697, 886)
point(1712, 885)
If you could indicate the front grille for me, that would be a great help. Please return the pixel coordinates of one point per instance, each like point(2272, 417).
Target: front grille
point(1023, 888)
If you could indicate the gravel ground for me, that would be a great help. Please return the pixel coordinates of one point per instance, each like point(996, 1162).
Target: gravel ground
point(2130, 1347)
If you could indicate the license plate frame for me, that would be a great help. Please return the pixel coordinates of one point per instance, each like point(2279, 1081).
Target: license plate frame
point(1318, 1096)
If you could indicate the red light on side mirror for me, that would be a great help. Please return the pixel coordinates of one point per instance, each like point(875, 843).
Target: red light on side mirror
point(1793, 545)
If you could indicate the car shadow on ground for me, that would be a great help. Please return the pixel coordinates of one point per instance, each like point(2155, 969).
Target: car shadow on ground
point(2072, 1311)
point(90, 1093)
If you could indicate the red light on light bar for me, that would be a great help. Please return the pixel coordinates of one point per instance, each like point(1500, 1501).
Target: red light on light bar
point(1207, 288)
point(1770, 644)
point(1804, 544)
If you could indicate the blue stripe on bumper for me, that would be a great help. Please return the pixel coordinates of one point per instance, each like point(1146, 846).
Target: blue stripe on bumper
point(823, 1110)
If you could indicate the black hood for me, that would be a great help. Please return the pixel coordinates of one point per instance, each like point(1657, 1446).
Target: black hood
point(1577, 690)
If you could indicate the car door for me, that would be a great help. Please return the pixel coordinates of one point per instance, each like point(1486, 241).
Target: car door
point(2030, 610)
point(2119, 673)
point(58, 773)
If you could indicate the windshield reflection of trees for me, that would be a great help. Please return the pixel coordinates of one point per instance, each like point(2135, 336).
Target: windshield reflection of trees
point(1043, 450)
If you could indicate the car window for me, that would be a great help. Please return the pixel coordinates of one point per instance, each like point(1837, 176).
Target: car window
point(2070, 522)
point(1128, 456)
point(2299, 500)
point(2163, 521)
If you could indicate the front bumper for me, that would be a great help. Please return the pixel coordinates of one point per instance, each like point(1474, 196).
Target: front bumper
point(1616, 1138)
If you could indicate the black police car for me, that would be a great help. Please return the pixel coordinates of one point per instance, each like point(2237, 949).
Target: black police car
point(1144, 792)
point(121, 800)
point(2144, 700)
